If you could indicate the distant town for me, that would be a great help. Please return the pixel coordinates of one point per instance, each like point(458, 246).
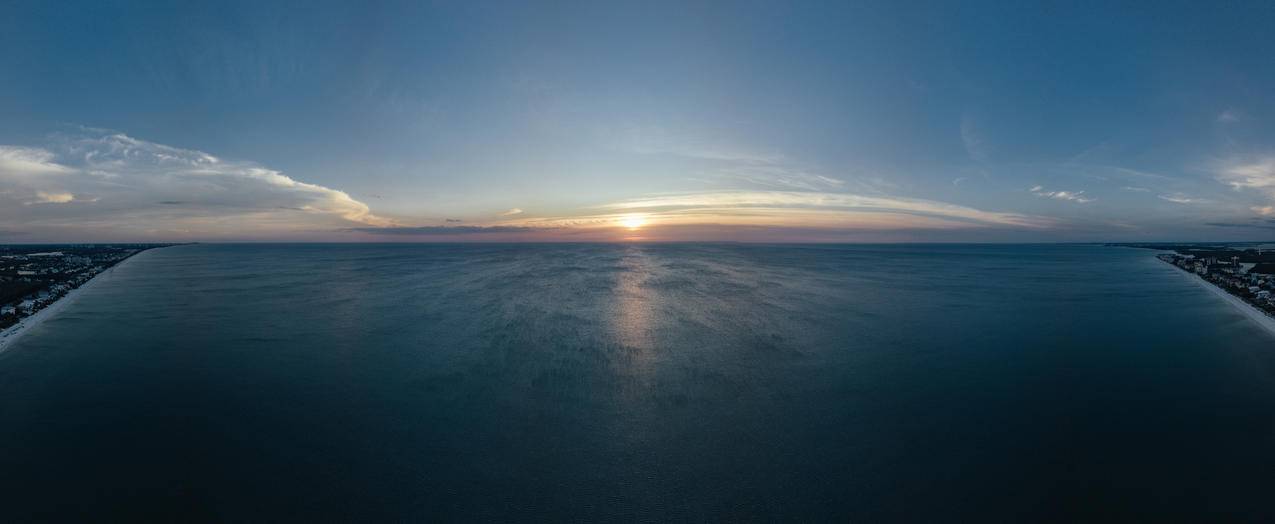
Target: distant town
point(1246, 271)
point(32, 277)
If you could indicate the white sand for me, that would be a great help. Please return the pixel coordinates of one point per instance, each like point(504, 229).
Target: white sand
point(1256, 315)
point(11, 334)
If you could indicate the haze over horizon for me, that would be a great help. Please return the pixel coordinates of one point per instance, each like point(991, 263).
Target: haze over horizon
point(675, 121)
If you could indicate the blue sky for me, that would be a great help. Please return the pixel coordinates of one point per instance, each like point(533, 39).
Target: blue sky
point(642, 121)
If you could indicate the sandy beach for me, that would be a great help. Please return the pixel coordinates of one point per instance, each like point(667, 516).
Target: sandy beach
point(1256, 315)
point(11, 334)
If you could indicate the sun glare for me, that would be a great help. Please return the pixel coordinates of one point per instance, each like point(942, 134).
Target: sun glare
point(633, 222)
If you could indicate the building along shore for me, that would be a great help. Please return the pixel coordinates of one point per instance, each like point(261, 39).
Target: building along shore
point(11, 334)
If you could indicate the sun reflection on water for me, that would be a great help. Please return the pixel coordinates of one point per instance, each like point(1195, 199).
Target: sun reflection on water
point(634, 315)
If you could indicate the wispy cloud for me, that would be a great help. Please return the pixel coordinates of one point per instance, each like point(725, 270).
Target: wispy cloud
point(1229, 115)
point(1136, 189)
point(1070, 196)
point(1082, 166)
point(777, 176)
point(972, 138)
point(688, 144)
point(1179, 198)
point(832, 207)
point(715, 161)
point(511, 212)
point(1258, 224)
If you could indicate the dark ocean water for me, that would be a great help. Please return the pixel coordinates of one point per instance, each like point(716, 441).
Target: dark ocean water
point(640, 382)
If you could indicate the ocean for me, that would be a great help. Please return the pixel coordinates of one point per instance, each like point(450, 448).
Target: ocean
point(678, 382)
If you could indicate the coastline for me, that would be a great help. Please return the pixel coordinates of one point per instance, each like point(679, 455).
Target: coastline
point(12, 333)
point(1256, 315)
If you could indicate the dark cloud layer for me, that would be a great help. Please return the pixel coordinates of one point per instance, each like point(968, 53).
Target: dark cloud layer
point(445, 230)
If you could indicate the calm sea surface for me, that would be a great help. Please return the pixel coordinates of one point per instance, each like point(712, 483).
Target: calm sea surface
point(640, 382)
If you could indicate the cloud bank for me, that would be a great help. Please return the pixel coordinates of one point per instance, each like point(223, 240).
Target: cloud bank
point(111, 185)
point(443, 230)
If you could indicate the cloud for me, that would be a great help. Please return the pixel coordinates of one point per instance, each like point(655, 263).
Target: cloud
point(770, 172)
point(1228, 116)
point(691, 144)
point(719, 162)
point(511, 212)
point(1070, 196)
point(43, 197)
point(1104, 172)
point(444, 230)
point(28, 161)
point(828, 208)
point(777, 176)
point(1252, 174)
point(1179, 198)
point(1259, 225)
point(976, 146)
point(113, 183)
point(1136, 189)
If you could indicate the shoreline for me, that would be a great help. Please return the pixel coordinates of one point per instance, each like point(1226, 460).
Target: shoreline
point(1258, 316)
point(12, 333)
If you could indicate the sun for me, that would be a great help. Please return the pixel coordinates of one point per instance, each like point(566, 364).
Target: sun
point(633, 222)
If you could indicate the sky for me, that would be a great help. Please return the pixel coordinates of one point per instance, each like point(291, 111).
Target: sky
point(638, 121)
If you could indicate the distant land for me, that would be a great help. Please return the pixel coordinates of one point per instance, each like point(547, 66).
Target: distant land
point(35, 277)
point(1244, 273)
